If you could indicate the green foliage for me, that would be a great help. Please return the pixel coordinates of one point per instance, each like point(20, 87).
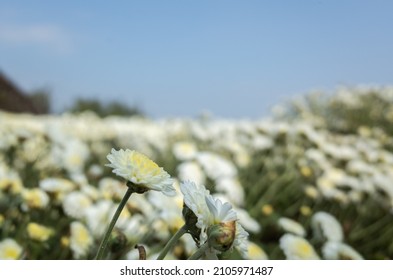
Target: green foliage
point(103, 110)
point(41, 100)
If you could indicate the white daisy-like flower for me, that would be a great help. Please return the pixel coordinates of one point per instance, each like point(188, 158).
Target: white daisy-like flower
point(10, 249)
point(184, 150)
point(98, 216)
point(56, 185)
point(216, 220)
point(333, 250)
point(191, 170)
point(141, 171)
point(254, 252)
point(219, 212)
point(291, 226)
point(194, 199)
point(241, 240)
point(297, 248)
point(75, 204)
point(232, 188)
point(327, 226)
point(80, 240)
point(216, 166)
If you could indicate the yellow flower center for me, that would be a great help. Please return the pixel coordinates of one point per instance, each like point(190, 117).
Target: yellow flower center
point(82, 236)
point(11, 253)
point(267, 209)
point(305, 210)
point(306, 171)
point(145, 166)
point(65, 241)
point(304, 249)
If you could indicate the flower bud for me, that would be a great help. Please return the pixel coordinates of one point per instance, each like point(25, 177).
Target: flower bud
point(222, 235)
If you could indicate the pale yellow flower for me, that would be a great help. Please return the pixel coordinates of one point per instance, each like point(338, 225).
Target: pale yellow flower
point(35, 198)
point(297, 248)
point(80, 240)
point(141, 171)
point(38, 232)
point(10, 249)
point(255, 252)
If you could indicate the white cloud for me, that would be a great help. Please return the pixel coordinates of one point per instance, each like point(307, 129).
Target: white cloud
point(42, 35)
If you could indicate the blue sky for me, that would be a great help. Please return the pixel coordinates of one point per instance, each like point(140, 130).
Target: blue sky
point(235, 59)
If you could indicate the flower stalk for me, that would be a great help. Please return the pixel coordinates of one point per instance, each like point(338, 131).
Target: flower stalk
point(200, 252)
point(172, 242)
point(115, 217)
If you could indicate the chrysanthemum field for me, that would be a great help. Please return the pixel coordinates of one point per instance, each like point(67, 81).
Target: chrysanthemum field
point(313, 181)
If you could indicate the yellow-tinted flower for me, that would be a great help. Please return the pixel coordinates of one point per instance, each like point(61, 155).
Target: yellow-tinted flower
point(305, 210)
point(35, 198)
point(291, 226)
point(14, 185)
point(255, 252)
point(306, 171)
point(65, 241)
point(297, 248)
point(9, 249)
point(38, 232)
point(141, 171)
point(80, 240)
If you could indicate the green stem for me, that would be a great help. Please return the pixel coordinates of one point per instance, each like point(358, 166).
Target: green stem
point(199, 253)
point(172, 242)
point(105, 240)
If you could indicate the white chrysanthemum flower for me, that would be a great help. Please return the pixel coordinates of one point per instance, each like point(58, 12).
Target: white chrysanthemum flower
point(214, 218)
point(140, 170)
point(249, 223)
point(75, 204)
point(74, 155)
point(184, 150)
point(291, 226)
point(136, 228)
point(192, 171)
point(80, 240)
point(194, 199)
point(56, 185)
point(327, 226)
point(98, 217)
point(216, 166)
point(10, 249)
point(241, 240)
point(255, 252)
point(297, 248)
point(219, 212)
point(169, 209)
point(232, 188)
point(111, 188)
point(339, 251)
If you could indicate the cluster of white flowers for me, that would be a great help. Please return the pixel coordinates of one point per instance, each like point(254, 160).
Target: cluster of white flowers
point(54, 169)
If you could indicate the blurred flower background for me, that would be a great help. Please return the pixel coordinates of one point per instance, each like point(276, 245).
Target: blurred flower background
point(312, 182)
point(310, 179)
